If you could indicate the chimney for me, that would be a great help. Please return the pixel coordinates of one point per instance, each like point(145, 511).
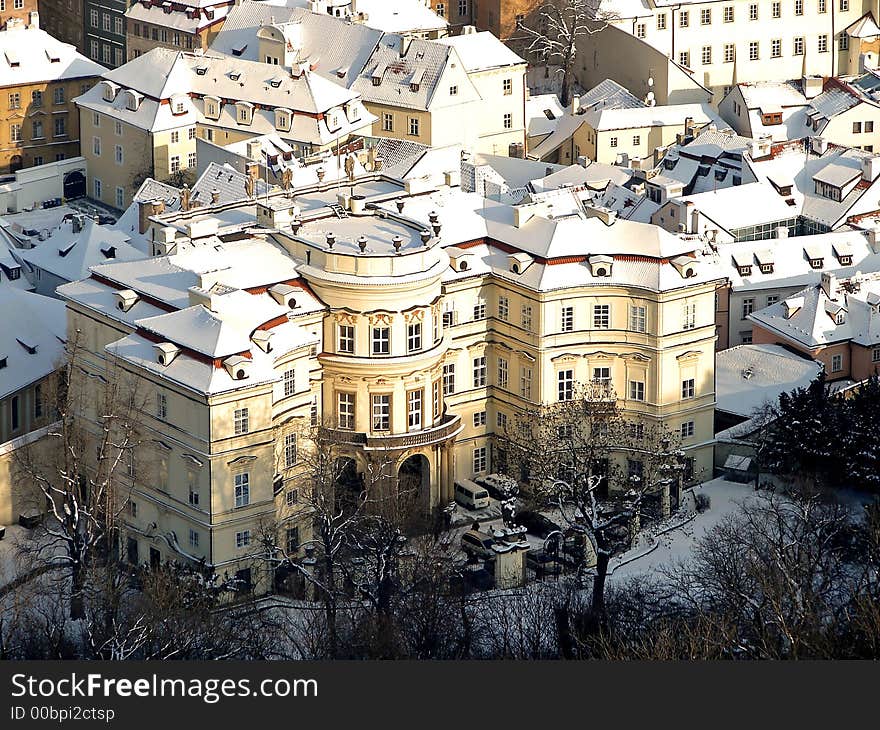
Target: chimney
point(576, 105)
point(215, 196)
point(252, 169)
point(147, 209)
point(829, 284)
point(870, 168)
point(254, 149)
point(405, 42)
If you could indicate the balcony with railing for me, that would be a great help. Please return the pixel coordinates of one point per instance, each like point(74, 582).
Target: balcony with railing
point(448, 427)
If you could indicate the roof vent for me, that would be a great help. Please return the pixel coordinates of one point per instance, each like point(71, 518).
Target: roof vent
point(238, 367)
point(284, 294)
point(165, 353)
point(686, 266)
point(263, 339)
point(519, 262)
point(601, 265)
point(126, 299)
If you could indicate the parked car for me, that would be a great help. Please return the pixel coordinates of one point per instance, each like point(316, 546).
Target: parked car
point(478, 544)
point(536, 523)
point(471, 496)
point(499, 486)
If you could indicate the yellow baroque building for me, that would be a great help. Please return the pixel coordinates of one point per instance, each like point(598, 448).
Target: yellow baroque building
point(411, 321)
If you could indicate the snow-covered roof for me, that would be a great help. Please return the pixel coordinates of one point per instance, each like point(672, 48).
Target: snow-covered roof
point(31, 338)
point(482, 51)
point(69, 253)
point(339, 50)
point(747, 376)
point(542, 114)
point(819, 315)
point(30, 55)
point(162, 74)
point(400, 16)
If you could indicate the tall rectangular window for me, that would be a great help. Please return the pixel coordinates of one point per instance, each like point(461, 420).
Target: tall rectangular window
point(241, 421)
point(387, 122)
point(413, 126)
point(242, 489)
point(289, 450)
point(436, 398)
point(503, 308)
point(637, 390)
point(526, 317)
point(567, 323)
point(638, 318)
point(480, 371)
point(601, 316)
point(480, 459)
point(345, 339)
point(161, 406)
point(414, 337)
point(748, 306)
point(289, 382)
point(687, 388)
point(776, 48)
point(753, 51)
point(689, 316)
point(525, 382)
point(507, 86)
point(503, 373)
point(479, 311)
point(382, 412)
point(242, 539)
point(414, 409)
point(449, 379)
point(565, 385)
point(381, 340)
point(345, 410)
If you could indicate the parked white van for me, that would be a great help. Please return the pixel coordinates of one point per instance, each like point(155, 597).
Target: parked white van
point(471, 495)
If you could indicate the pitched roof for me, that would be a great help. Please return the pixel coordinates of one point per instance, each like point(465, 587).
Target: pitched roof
point(482, 51)
point(31, 341)
point(68, 254)
point(30, 55)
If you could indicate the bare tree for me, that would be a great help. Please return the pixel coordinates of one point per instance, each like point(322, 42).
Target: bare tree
point(338, 501)
point(572, 452)
point(81, 473)
point(560, 26)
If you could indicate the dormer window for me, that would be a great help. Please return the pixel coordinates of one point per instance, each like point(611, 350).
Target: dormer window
point(840, 317)
point(212, 107)
point(282, 119)
point(745, 270)
point(244, 110)
point(178, 105)
point(771, 119)
point(133, 100)
point(109, 90)
point(817, 263)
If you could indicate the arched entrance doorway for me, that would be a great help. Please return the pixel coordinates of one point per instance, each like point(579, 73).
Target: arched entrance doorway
point(74, 185)
point(414, 480)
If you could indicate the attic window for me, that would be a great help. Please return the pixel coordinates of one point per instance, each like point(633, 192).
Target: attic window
point(416, 81)
point(275, 83)
point(549, 114)
point(12, 59)
point(238, 51)
point(52, 56)
point(766, 268)
point(845, 259)
point(817, 263)
point(771, 119)
point(745, 270)
point(109, 252)
point(201, 70)
point(840, 317)
point(31, 349)
point(235, 75)
point(2, 362)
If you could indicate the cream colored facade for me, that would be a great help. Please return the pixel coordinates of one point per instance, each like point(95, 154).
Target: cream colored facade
point(413, 348)
point(724, 42)
point(130, 133)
